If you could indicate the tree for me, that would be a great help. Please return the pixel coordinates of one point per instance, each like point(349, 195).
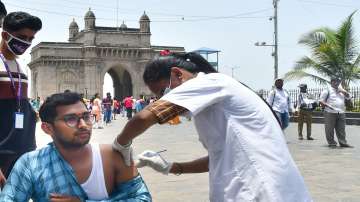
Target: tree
point(334, 54)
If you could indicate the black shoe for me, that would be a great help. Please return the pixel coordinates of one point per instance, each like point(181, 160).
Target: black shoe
point(332, 145)
point(301, 138)
point(346, 145)
point(310, 138)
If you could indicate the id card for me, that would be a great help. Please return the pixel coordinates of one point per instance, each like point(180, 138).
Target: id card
point(19, 120)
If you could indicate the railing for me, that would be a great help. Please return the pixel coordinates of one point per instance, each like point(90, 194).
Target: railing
point(354, 91)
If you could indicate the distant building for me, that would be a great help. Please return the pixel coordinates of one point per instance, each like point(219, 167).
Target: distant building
point(81, 64)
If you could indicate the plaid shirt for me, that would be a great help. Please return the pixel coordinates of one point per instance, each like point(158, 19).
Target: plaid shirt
point(165, 110)
point(37, 174)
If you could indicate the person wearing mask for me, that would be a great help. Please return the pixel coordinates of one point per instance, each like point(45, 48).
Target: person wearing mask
point(18, 118)
point(305, 105)
point(279, 100)
point(333, 99)
point(248, 159)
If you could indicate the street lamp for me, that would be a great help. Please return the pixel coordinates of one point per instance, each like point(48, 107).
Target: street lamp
point(276, 36)
point(274, 54)
point(232, 71)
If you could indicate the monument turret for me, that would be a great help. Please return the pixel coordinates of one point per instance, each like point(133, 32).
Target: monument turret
point(73, 30)
point(144, 23)
point(89, 20)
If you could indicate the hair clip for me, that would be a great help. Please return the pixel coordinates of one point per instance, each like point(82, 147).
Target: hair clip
point(165, 52)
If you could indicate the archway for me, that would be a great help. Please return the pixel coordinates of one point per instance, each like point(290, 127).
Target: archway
point(122, 83)
point(108, 86)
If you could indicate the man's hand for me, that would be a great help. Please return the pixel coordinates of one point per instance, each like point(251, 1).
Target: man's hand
point(2, 179)
point(153, 160)
point(63, 198)
point(343, 91)
point(125, 150)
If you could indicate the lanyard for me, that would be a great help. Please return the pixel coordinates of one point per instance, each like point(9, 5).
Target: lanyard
point(18, 95)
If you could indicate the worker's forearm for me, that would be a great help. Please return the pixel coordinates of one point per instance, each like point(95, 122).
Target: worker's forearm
point(135, 126)
point(324, 103)
point(197, 166)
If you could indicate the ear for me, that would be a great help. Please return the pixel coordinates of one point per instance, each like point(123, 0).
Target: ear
point(4, 35)
point(47, 128)
point(177, 71)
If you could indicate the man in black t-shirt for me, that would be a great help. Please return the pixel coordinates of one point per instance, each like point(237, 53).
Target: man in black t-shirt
point(17, 118)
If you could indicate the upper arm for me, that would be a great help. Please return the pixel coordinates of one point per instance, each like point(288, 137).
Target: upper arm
point(164, 111)
point(122, 172)
point(19, 186)
point(270, 97)
point(324, 95)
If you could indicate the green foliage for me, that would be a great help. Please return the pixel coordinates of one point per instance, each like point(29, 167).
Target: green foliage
point(333, 54)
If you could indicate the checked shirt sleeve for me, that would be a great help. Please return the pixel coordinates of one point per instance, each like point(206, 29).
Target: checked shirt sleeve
point(165, 110)
point(134, 190)
point(18, 186)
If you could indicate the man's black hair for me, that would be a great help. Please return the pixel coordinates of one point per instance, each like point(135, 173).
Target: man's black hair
point(3, 11)
point(47, 110)
point(16, 21)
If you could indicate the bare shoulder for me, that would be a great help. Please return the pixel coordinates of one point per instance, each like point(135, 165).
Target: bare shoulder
point(115, 160)
point(110, 154)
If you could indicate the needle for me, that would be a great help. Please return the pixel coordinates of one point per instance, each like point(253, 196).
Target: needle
point(164, 150)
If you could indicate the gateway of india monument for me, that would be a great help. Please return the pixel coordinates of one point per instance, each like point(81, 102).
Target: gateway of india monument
point(81, 64)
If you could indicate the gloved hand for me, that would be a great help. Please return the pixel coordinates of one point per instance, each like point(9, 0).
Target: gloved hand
point(125, 150)
point(154, 160)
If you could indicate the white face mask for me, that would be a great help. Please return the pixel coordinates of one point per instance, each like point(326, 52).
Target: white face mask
point(167, 89)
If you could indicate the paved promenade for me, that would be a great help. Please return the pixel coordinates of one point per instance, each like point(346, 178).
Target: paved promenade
point(332, 175)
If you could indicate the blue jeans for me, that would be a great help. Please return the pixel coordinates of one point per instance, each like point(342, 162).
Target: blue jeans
point(284, 119)
point(107, 116)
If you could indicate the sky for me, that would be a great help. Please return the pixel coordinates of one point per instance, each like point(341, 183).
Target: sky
point(231, 26)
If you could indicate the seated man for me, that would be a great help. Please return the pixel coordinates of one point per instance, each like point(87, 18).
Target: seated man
point(70, 169)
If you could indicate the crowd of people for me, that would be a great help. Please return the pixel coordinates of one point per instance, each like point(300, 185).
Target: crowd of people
point(107, 109)
point(247, 155)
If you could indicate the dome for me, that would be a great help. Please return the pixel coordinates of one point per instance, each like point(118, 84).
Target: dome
point(89, 14)
point(123, 26)
point(144, 17)
point(73, 24)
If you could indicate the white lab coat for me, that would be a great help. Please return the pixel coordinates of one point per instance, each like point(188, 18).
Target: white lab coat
point(249, 158)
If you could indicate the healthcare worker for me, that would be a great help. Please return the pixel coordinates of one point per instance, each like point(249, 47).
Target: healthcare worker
point(248, 159)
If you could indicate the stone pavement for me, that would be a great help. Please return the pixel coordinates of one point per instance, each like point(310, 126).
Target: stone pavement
point(332, 175)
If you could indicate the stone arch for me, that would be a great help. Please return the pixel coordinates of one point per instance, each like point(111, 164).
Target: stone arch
point(122, 80)
point(69, 81)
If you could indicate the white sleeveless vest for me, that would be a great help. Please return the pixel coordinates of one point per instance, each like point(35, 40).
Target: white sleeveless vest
point(94, 186)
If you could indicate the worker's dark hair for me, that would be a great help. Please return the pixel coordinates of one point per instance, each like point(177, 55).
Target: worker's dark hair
point(47, 110)
point(160, 67)
point(16, 21)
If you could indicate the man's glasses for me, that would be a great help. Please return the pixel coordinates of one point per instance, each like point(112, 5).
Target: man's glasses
point(72, 120)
